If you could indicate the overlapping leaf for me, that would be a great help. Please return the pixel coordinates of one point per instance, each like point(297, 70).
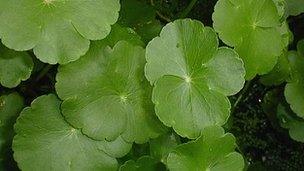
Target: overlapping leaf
point(163, 145)
point(141, 17)
point(14, 67)
point(288, 121)
point(146, 163)
point(294, 90)
point(214, 150)
point(281, 7)
point(295, 7)
point(58, 30)
point(252, 28)
point(110, 96)
point(45, 141)
point(192, 77)
point(10, 106)
point(280, 72)
point(279, 111)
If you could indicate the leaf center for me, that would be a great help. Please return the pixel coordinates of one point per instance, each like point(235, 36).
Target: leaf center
point(123, 98)
point(48, 2)
point(188, 79)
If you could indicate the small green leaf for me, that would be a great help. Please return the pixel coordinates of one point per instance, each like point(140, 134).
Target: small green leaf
point(281, 116)
point(280, 72)
point(136, 12)
point(214, 150)
point(10, 106)
point(252, 28)
point(141, 17)
point(295, 7)
point(110, 96)
point(294, 125)
point(287, 35)
point(300, 47)
point(145, 163)
point(14, 67)
point(192, 77)
point(119, 32)
point(58, 30)
point(281, 7)
point(161, 146)
point(294, 90)
point(45, 141)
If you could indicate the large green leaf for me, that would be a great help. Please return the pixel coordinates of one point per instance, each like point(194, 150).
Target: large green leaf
point(295, 7)
point(106, 95)
point(45, 141)
point(58, 30)
point(294, 90)
point(10, 106)
point(14, 67)
point(214, 150)
point(252, 28)
point(192, 77)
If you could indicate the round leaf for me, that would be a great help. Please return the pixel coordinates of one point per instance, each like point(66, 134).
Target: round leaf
point(119, 32)
point(161, 146)
point(294, 90)
point(280, 72)
point(300, 47)
point(214, 150)
point(278, 110)
point(141, 17)
point(192, 77)
point(252, 28)
point(14, 67)
point(10, 106)
point(295, 126)
point(45, 141)
point(59, 31)
point(110, 96)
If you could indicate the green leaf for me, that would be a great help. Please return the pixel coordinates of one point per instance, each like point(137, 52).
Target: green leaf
point(300, 47)
point(281, 7)
point(14, 67)
point(295, 7)
point(252, 28)
point(136, 12)
point(280, 72)
point(146, 163)
point(59, 31)
point(281, 116)
point(287, 35)
point(294, 90)
point(214, 150)
point(192, 77)
point(161, 146)
point(45, 141)
point(110, 96)
point(141, 17)
point(119, 32)
point(294, 125)
point(10, 106)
